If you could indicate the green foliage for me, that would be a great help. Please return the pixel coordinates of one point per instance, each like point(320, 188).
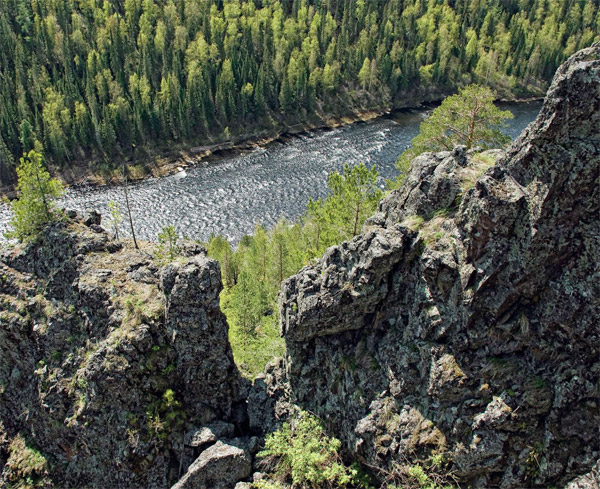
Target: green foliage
point(305, 456)
point(252, 274)
point(134, 308)
point(422, 480)
point(434, 474)
point(164, 415)
point(252, 352)
point(7, 162)
point(478, 165)
point(90, 78)
point(116, 218)
point(468, 118)
point(167, 249)
point(219, 248)
point(245, 303)
point(354, 197)
point(35, 207)
point(415, 477)
point(266, 484)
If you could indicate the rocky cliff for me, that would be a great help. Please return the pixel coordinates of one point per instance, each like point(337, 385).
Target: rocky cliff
point(113, 373)
point(463, 322)
point(459, 331)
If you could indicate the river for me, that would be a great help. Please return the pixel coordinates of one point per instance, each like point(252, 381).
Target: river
point(229, 196)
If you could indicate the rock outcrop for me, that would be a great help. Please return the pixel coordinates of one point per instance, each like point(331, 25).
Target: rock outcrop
point(458, 331)
point(108, 364)
point(463, 321)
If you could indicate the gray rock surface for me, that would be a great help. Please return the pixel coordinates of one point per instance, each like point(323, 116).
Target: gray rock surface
point(463, 321)
point(101, 371)
point(209, 434)
point(591, 480)
point(198, 332)
point(219, 467)
point(243, 485)
point(268, 399)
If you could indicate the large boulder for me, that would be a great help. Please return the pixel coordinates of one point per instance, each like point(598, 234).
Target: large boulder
point(220, 466)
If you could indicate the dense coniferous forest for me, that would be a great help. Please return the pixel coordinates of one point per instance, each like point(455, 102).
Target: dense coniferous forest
point(89, 79)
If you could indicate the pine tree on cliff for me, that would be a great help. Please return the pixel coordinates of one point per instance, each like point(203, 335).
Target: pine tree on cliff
point(35, 206)
point(468, 118)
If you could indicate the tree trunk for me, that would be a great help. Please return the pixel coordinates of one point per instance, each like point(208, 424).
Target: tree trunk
point(129, 208)
point(356, 218)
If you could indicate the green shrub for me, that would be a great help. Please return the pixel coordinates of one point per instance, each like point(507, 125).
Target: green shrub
point(252, 352)
point(116, 218)
point(164, 415)
point(167, 249)
point(434, 475)
point(305, 456)
point(26, 467)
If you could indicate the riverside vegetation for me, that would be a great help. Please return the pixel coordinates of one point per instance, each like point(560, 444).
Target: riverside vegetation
point(87, 81)
point(122, 365)
point(252, 274)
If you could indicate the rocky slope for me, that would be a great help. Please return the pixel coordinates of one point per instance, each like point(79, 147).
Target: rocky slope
point(463, 321)
point(113, 373)
point(460, 327)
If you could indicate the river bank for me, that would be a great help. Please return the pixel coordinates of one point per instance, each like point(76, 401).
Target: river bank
point(162, 162)
point(91, 173)
point(184, 159)
point(233, 192)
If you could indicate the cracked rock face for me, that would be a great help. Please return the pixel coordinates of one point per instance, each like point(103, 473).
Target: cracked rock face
point(464, 319)
point(199, 334)
point(106, 362)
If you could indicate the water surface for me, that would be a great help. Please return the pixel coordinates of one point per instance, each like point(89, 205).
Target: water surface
point(229, 196)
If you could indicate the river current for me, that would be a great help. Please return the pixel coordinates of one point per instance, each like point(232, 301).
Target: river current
point(229, 196)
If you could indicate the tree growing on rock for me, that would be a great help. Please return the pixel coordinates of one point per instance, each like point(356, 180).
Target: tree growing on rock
point(116, 217)
point(36, 205)
point(354, 196)
point(468, 118)
point(167, 249)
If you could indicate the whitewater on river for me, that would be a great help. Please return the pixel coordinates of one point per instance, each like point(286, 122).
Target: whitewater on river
point(229, 196)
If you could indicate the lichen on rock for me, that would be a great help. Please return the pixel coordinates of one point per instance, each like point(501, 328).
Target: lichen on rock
point(100, 368)
point(464, 319)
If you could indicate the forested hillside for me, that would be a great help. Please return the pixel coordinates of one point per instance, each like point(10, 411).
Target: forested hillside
point(88, 78)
